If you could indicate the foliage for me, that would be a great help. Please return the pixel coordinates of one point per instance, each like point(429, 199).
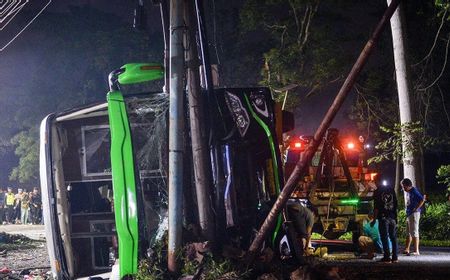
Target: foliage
point(434, 224)
point(402, 139)
point(212, 268)
point(374, 106)
point(443, 176)
point(27, 149)
point(301, 51)
point(154, 267)
point(443, 5)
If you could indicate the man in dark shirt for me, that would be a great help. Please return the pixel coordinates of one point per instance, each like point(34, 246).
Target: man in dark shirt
point(35, 206)
point(385, 210)
point(303, 220)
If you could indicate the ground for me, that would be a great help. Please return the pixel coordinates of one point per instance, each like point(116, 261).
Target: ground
point(434, 263)
point(33, 256)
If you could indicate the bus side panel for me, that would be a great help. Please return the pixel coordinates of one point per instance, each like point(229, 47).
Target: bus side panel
point(46, 189)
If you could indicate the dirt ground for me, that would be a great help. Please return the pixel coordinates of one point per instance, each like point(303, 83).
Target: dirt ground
point(434, 263)
point(29, 255)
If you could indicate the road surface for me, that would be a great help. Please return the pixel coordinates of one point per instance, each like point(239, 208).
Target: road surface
point(433, 263)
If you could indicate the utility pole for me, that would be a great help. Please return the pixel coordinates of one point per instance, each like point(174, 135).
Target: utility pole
point(303, 163)
point(200, 149)
point(176, 132)
point(411, 159)
point(164, 9)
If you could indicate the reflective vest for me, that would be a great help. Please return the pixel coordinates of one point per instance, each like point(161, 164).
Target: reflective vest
point(10, 197)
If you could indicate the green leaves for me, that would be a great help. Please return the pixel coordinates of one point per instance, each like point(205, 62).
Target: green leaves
point(27, 149)
point(401, 139)
point(443, 176)
point(302, 51)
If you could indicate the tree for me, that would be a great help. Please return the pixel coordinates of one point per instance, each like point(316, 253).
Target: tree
point(412, 167)
point(69, 69)
point(27, 149)
point(376, 107)
point(301, 49)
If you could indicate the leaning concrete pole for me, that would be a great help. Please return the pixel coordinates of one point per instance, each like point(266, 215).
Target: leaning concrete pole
point(176, 132)
point(411, 160)
point(200, 151)
point(303, 163)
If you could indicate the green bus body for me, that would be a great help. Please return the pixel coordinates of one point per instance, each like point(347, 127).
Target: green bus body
point(124, 184)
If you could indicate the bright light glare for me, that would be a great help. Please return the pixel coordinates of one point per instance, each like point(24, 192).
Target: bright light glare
point(372, 176)
point(351, 145)
point(368, 146)
point(352, 201)
point(297, 145)
point(384, 182)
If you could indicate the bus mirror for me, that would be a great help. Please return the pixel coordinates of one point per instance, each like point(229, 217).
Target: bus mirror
point(134, 73)
point(288, 121)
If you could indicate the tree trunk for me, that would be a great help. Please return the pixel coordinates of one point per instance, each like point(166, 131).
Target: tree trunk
point(411, 168)
point(200, 149)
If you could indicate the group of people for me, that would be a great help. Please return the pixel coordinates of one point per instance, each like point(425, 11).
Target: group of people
point(20, 208)
point(380, 234)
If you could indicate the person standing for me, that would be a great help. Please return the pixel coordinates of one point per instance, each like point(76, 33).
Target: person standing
point(385, 210)
point(17, 205)
point(414, 203)
point(36, 206)
point(25, 205)
point(10, 198)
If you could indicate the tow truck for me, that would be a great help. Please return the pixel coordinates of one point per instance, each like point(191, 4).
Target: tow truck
point(339, 184)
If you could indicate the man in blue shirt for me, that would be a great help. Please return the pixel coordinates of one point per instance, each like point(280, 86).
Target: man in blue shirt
point(414, 203)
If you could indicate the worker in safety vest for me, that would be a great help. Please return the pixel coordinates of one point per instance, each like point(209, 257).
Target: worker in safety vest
point(9, 203)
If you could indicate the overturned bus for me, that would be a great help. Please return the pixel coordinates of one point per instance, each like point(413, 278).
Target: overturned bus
point(104, 175)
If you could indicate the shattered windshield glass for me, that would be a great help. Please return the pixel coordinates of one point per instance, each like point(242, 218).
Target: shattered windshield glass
point(149, 128)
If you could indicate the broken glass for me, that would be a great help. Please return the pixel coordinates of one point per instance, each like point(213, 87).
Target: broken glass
point(149, 129)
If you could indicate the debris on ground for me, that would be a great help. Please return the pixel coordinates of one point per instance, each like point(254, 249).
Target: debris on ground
point(15, 241)
point(23, 258)
point(25, 274)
